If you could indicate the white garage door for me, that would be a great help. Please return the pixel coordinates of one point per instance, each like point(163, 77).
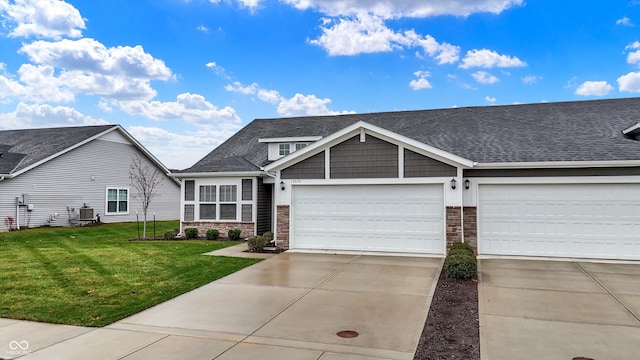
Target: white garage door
point(563, 220)
point(394, 218)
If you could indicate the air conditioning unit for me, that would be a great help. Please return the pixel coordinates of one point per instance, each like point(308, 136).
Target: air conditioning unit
point(86, 213)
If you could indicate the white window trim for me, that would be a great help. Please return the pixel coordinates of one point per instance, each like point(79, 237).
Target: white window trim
point(106, 200)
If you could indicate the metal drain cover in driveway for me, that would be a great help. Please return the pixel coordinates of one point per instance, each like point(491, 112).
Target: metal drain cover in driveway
point(347, 334)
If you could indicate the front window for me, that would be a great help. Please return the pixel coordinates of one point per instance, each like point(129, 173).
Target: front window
point(300, 146)
point(228, 198)
point(218, 202)
point(208, 202)
point(117, 201)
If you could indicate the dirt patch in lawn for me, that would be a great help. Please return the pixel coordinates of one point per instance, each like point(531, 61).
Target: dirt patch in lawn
point(452, 327)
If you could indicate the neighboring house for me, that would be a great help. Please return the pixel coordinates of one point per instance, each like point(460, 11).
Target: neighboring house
point(548, 179)
point(53, 176)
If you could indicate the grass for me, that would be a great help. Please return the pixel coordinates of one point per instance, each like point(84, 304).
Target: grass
point(93, 276)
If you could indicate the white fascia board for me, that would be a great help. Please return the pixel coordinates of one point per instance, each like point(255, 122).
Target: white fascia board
point(290, 139)
point(633, 128)
point(217, 174)
point(75, 146)
point(376, 131)
point(558, 164)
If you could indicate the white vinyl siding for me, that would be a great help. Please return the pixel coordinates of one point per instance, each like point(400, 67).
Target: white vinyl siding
point(60, 187)
point(393, 218)
point(560, 220)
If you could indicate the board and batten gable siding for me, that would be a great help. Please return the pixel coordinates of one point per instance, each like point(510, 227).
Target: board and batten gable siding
point(311, 168)
point(373, 158)
point(82, 176)
point(416, 165)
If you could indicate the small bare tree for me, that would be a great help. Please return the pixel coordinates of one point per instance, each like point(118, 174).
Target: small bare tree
point(147, 180)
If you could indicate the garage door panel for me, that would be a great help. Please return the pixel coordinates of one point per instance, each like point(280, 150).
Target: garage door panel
point(400, 218)
point(566, 220)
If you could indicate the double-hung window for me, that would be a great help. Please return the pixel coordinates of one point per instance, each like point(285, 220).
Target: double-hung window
point(228, 202)
point(284, 149)
point(208, 202)
point(117, 201)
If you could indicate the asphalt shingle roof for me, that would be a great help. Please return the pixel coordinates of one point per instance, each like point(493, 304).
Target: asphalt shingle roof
point(563, 131)
point(23, 148)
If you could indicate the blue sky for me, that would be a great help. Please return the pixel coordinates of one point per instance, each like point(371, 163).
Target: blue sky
point(183, 75)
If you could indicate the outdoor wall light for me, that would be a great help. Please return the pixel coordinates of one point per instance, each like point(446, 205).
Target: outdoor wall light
point(466, 184)
point(453, 184)
point(281, 185)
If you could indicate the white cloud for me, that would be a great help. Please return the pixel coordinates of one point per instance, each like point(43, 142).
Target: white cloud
point(10, 88)
point(594, 88)
point(404, 8)
point(44, 115)
point(624, 21)
point(634, 56)
point(490, 99)
point(202, 28)
point(193, 108)
point(486, 58)
point(629, 82)
point(61, 70)
point(306, 105)
point(178, 151)
point(92, 56)
point(421, 82)
point(298, 105)
point(41, 18)
point(364, 33)
point(213, 66)
point(484, 77)
point(531, 79)
point(249, 4)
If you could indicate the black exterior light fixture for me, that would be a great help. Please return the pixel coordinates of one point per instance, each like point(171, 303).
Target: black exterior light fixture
point(466, 184)
point(453, 184)
point(281, 185)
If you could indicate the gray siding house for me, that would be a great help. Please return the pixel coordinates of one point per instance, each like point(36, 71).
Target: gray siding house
point(72, 175)
point(548, 179)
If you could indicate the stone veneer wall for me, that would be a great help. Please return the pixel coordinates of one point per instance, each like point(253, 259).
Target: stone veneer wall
point(470, 219)
point(282, 226)
point(246, 228)
point(453, 226)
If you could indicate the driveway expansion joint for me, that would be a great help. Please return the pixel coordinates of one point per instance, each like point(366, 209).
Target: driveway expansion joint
point(594, 278)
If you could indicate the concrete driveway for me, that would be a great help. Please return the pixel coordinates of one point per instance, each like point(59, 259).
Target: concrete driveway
point(534, 309)
point(289, 306)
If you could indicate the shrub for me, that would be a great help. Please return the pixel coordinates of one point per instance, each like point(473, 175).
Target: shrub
point(268, 236)
point(256, 243)
point(460, 251)
point(460, 266)
point(191, 233)
point(212, 234)
point(234, 234)
point(458, 246)
point(171, 234)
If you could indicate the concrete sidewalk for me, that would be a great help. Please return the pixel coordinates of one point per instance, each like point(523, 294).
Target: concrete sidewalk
point(289, 306)
point(534, 309)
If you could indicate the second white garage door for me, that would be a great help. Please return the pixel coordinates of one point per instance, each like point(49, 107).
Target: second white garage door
point(563, 220)
point(393, 218)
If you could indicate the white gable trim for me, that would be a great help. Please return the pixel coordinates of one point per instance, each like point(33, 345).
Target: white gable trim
point(384, 134)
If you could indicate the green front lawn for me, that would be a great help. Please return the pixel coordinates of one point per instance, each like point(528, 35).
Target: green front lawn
point(93, 276)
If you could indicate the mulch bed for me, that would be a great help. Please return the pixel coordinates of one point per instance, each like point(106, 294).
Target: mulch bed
point(452, 327)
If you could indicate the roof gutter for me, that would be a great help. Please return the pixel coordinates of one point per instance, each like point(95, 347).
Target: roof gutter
point(558, 164)
point(217, 174)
